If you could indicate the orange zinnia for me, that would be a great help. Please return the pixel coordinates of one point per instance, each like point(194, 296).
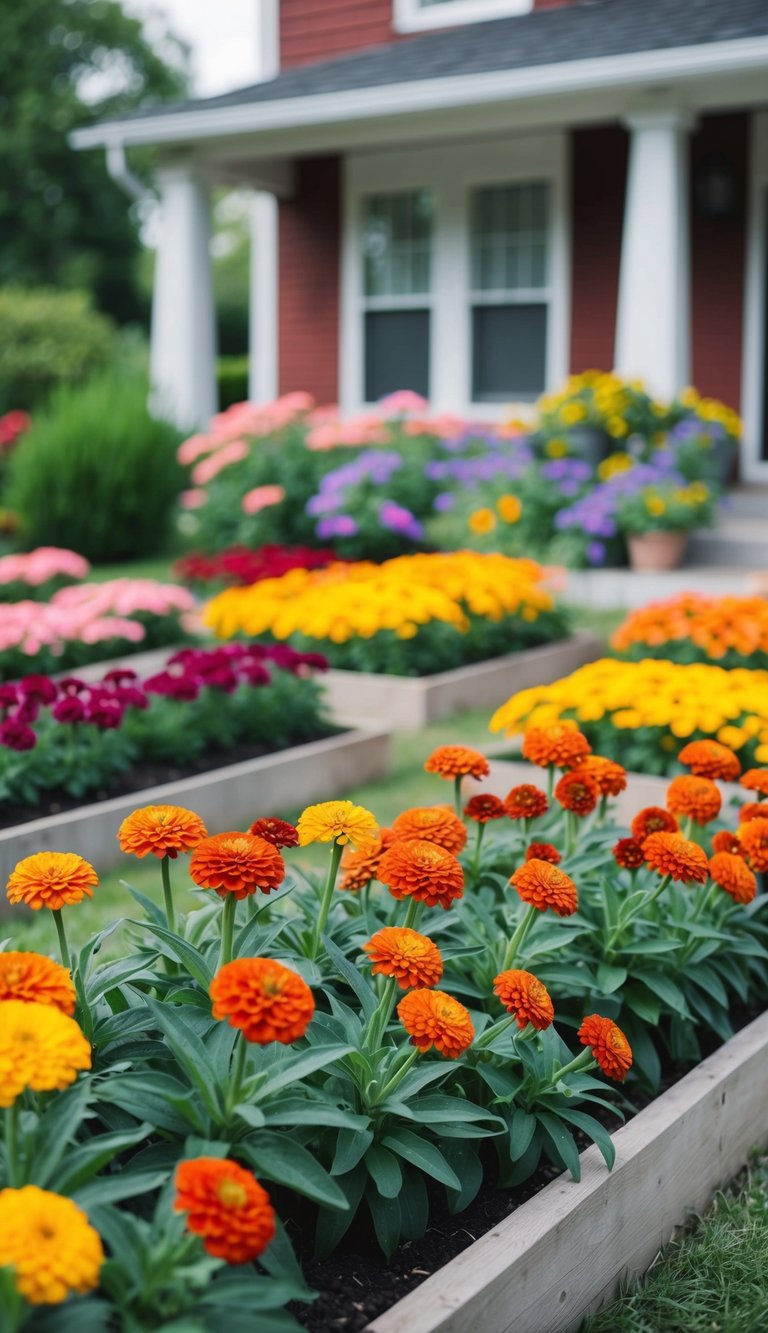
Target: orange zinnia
point(628, 853)
point(413, 959)
point(422, 871)
point(578, 792)
point(543, 851)
point(608, 1045)
point(560, 743)
point(431, 823)
point(732, 874)
point(432, 1018)
point(697, 798)
point(226, 1205)
point(523, 995)
point(277, 831)
point(710, 759)
point(526, 802)
point(237, 863)
point(33, 977)
point(543, 885)
point(754, 842)
point(264, 999)
point(725, 841)
point(51, 879)
point(611, 778)
point(755, 779)
point(753, 810)
point(484, 808)
point(672, 854)
point(360, 867)
point(652, 819)
point(162, 830)
point(457, 761)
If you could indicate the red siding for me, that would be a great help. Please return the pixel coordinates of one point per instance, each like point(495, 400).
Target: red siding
point(309, 277)
point(320, 29)
point(599, 173)
point(717, 264)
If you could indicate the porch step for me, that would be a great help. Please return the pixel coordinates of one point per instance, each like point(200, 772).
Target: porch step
point(747, 502)
point(738, 541)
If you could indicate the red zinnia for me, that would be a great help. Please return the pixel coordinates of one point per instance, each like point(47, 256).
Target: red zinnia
point(526, 802)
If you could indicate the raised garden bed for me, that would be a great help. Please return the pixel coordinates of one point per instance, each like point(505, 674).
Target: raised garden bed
point(409, 703)
point(225, 797)
point(563, 1253)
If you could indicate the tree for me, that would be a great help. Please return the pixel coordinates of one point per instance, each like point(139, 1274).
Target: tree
point(63, 221)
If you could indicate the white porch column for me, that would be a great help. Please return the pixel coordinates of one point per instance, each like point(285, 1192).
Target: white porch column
point(183, 343)
point(263, 327)
point(653, 317)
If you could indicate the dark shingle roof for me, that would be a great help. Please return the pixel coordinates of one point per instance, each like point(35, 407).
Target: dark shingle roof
point(587, 30)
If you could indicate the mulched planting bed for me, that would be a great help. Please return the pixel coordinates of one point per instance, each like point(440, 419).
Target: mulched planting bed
point(356, 1285)
point(143, 776)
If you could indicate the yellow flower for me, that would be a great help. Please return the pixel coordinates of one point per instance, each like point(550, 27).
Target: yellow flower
point(556, 448)
point(655, 505)
point(573, 413)
point(614, 465)
point(48, 1244)
point(337, 821)
point(40, 1048)
point(481, 521)
point(509, 507)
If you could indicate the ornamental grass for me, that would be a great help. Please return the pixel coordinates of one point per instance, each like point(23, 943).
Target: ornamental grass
point(288, 1055)
point(639, 714)
point(413, 615)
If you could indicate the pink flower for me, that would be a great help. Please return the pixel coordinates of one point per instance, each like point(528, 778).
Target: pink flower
point(193, 448)
point(261, 497)
point(193, 499)
point(403, 402)
point(233, 451)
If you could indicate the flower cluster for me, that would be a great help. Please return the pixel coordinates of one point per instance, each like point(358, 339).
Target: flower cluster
point(731, 631)
point(240, 566)
point(619, 407)
point(637, 712)
point(41, 570)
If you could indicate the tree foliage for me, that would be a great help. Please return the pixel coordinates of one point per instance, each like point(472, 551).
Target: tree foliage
point(65, 64)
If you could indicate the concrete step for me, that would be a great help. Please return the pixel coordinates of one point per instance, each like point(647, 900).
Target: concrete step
point(747, 502)
point(737, 541)
point(626, 589)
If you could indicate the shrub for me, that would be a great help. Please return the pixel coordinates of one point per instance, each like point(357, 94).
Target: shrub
point(49, 338)
point(232, 380)
point(97, 473)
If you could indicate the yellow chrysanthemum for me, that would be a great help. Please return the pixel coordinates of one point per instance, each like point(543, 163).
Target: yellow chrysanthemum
point(337, 821)
point(40, 1048)
point(48, 1244)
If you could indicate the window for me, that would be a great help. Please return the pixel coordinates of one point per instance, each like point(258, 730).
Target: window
point(411, 15)
point(397, 287)
point(510, 294)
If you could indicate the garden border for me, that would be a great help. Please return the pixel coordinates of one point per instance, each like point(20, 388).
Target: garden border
point(563, 1254)
point(408, 703)
point(223, 797)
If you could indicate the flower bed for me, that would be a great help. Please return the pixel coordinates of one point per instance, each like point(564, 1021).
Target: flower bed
point(40, 573)
point(638, 712)
point(239, 566)
point(412, 616)
point(730, 631)
point(91, 621)
point(315, 1048)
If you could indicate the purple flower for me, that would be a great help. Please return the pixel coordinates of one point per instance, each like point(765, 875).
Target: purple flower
point(339, 525)
point(17, 735)
point(398, 519)
point(596, 553)
point(323, 503)
point(69, 709)
point(444, 502)
point(39, 688)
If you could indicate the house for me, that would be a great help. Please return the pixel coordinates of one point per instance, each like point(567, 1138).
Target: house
point(471, 198)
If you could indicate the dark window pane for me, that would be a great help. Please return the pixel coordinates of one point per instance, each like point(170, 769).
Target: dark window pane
point(509, 346)
point(396, 352)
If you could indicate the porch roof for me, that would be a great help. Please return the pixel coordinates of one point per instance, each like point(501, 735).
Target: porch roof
point(588, 46)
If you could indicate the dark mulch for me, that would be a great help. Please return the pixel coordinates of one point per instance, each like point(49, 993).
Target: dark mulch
point(142, 776)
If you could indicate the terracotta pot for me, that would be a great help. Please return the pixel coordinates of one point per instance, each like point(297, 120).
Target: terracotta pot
point(656, 550)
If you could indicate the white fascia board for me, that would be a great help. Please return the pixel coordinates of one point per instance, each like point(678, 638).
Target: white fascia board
point(654, 68)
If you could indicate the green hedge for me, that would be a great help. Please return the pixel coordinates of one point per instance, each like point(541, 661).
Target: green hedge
point(48, 338)
point(232, 379)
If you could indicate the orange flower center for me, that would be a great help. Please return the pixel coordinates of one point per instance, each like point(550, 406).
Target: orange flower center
point(232, 1194)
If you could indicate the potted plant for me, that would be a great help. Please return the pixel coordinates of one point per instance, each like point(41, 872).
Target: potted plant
point(656, 520)
point(596, 413)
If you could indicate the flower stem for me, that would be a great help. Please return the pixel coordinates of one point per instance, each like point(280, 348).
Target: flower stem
point(227, 929)
point(381, 1016)
point(621, 927)
point(62, 934)
point(413, 914)
point(397, 1077)
point(476, 857)
point(236, 1081)
point(493, 1031)
point(170, 915)
point(457, 795)
point(12, 1144)
point(517, 939)
point(571, 833)
point(585, 1060)
point(325, 901)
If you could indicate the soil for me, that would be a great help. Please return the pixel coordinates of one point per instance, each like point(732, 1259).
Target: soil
point(356, 1284)
point(142, 776)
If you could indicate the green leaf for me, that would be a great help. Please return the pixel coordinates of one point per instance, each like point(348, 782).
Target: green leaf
point(439, 1107)
point(652, 947)
point(666, 989)
point(385, 1214)
point(251, 1115)
point(645, 1005)
point(56, 1129)
point(333, 1224)
point(280, 1158)
point(465, 1162)
point(351, 1146)
point(121, 1185)
point(422, 1153)
point(91, 1156)
point(357, 983)
point(155, 914)
point(306, 1111)
point(521, 1131)
point(562, 1141)
point(610, 978)
point(298, 1065)
point(384, 1169)
point(148, 1095)
point(184, 952)
point(597, 1132)
point(189, 1051)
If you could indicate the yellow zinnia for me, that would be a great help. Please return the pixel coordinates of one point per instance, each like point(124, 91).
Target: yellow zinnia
point(509, 507)
point(337, 821)
point(40, 1048)
point(481, 521)
point(49, 1245)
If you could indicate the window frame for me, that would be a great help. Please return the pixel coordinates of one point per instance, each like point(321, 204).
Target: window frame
point(411, 16)
point(452, 171)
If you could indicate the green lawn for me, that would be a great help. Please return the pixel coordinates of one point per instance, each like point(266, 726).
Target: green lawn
point(712, 1278)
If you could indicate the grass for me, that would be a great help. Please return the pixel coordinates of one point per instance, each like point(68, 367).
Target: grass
point(711, 1279)
point(154, 567)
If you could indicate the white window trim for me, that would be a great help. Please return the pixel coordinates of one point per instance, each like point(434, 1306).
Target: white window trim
point(754, 391)
point(410, 16)
point(451, 172)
